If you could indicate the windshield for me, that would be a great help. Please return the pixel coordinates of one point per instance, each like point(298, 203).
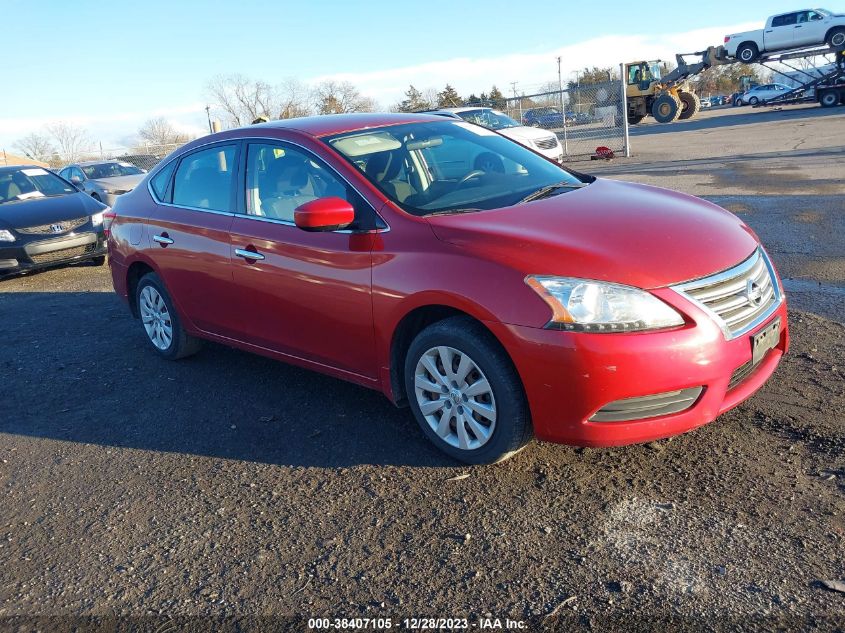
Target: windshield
point(491, 119)
point(824, 12)
point(111, 170)
point(26, 183)
point(450, 166)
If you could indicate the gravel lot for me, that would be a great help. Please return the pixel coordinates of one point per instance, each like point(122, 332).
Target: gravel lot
point(185, 494)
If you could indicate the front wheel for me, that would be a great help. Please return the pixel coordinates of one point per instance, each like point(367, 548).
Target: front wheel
point(690, 104)
point(465, 393)
point(829, 98)
point(836, 38)
point(161, 322)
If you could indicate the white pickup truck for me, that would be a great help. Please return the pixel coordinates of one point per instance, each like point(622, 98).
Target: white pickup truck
point(798, 29)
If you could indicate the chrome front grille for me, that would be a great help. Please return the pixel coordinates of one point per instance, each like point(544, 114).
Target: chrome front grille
point(739, 298)
point(56, 228)
point(547, 143)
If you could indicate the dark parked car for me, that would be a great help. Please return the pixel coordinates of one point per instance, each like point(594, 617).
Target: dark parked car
point(494, 292)
point(46, 221)
point(546, 117)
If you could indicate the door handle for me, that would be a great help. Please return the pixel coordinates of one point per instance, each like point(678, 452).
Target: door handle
point(162, 239)
point(242, 252)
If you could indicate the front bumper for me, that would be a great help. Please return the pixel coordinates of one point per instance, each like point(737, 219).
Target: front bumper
point(568, 377)
point(34, 254)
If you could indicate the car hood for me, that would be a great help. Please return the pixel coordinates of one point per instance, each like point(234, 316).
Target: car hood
point(127, 183)
point(524, 133)
point(38, 211)
point(610, 231)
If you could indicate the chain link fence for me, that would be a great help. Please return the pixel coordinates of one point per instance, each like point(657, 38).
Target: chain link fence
point(584, 118)
point(142, 156)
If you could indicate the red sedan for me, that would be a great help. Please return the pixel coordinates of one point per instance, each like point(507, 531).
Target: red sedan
point(494, 292)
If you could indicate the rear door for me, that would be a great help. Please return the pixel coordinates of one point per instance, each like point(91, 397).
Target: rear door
point(189, 238)
point(782, 32)
point(305, 294)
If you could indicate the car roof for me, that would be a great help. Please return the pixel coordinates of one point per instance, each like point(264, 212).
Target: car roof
point(329, 124)
point(464, 109)
point(7, 168)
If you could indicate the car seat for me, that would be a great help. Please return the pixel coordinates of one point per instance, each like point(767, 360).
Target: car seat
point(383, 168)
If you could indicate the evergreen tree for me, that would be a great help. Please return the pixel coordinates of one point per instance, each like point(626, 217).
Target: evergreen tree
point(414, 101)
point(497, 99)
point(448, 98)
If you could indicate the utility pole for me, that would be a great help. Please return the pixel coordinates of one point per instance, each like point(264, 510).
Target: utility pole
point(519, 101)
point(562, 107)
point(208, 115)
point(578, 88)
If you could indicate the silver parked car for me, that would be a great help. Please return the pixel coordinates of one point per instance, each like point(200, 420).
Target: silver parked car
point(104, 180)
point(761, 93)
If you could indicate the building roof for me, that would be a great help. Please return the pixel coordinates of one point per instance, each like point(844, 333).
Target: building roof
point(7, 159)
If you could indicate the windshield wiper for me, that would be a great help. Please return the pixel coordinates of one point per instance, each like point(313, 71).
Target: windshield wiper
point(548, 190)
point(453, 211)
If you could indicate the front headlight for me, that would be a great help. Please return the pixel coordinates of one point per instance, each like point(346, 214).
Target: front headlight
point(6, 236)
point(595, 306)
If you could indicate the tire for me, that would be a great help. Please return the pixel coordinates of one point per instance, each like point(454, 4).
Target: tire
point(100, 260)
point(829, 98)
point(753, 101)
point(836, 39)
point(738, 102)
point(633, 119)
point(490, 382)
point(747, 52)
point(690, 105)
point(178, 344)
point(666, 109)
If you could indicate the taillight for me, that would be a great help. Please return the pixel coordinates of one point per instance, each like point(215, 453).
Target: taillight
point(108, 217)
point(727, 38)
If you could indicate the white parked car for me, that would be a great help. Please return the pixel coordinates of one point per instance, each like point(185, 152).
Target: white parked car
point(798, 29)
point(761, 93)
point(541, 141)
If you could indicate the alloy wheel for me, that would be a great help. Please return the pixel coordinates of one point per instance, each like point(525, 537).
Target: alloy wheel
point(455, 398)
point(156, 318)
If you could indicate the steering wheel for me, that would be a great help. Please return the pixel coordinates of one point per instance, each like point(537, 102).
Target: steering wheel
point(475, 173)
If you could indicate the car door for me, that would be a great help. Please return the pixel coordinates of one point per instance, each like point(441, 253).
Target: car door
point(189, 238)
point(782, 32)
point(304, 294)
point(809, 29)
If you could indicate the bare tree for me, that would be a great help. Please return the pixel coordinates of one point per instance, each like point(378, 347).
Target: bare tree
point(337, 97)
point(36, 146)
point(242, 99)
point(293, 99)
point(160, 132)
point(73, 141)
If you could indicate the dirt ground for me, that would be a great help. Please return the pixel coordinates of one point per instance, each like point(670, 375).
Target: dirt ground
point(231, 492)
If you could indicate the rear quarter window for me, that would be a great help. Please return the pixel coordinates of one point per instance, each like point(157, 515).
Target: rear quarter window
point(161, 181)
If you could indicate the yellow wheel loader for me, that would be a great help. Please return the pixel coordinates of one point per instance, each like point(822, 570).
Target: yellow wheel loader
point(668, 97)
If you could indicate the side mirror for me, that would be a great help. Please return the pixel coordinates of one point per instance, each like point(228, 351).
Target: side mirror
point(324, 214)
point(76, 180)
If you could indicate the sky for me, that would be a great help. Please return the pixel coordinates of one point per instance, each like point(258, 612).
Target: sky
point(109, 67)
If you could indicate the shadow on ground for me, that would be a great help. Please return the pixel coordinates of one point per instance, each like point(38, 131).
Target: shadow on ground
point(77, 368)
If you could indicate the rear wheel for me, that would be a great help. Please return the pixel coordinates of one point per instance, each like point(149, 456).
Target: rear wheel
point(829, 98)
point(666, 108)
point(747, 52)
point(836, 38)
point(753, 101)
point(161, 322)
point(690, 105)
point(465, 393)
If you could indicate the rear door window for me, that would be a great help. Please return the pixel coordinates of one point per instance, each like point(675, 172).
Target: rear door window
point(205, 179)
